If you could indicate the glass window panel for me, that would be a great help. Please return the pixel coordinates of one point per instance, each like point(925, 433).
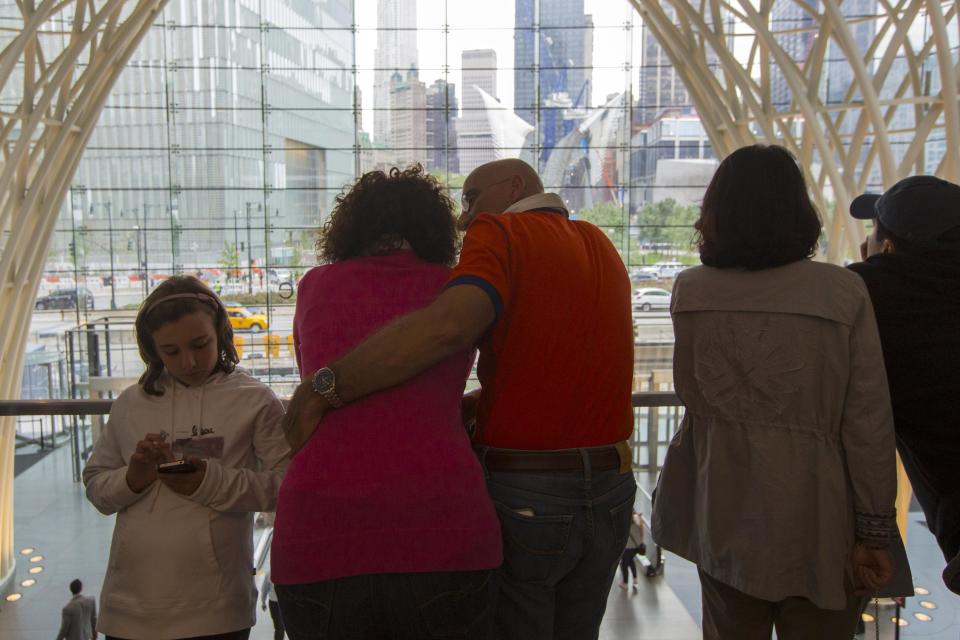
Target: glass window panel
point(225, 141)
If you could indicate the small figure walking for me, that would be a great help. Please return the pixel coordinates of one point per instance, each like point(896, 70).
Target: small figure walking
point(267, 593)
point(79, 616)
point(635, 546)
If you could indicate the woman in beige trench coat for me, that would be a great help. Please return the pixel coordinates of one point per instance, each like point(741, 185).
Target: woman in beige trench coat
point(780, 483)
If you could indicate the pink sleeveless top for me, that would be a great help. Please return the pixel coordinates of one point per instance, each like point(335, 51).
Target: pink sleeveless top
point(388, 484)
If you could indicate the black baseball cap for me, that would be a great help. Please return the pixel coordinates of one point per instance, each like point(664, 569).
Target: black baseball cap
point(918, 208)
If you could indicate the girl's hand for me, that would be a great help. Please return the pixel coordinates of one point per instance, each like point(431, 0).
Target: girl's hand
point(186, 484)
point(142, 467)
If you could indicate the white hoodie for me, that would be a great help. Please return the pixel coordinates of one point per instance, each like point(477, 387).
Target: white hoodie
point(182, 566)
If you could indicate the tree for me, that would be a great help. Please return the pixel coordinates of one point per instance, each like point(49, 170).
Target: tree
point(608, 216)
point(307, 238)
point(230, 259)
point(667, 223)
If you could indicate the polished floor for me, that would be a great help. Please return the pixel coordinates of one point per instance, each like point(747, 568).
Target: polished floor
point(70, 539)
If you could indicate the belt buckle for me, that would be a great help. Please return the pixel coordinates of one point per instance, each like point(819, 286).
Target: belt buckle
point(626, 456)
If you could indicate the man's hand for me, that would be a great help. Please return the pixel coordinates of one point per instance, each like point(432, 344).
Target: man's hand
point(872, 568)
point(186, 484)
point(142, 467)
point(304, 412)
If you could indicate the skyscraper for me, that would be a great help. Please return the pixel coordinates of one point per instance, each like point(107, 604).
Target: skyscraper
point(564, 58)
point(799, 27)
point(442, 117)
point(474, 135)
point(396, 51)
point(186, 152)
point(659, 85)
point(408, 117)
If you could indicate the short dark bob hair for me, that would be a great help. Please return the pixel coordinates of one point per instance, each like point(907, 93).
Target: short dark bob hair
point(150, 319)
point(381, 211)
point(756, 213)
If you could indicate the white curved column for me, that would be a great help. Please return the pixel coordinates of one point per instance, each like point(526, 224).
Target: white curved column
point(42, 142)
point(839, 145)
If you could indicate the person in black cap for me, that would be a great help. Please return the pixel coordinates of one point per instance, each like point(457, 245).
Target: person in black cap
point(911, 266)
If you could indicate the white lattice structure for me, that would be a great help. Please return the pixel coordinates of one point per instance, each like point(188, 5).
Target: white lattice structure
point(61, 57)
point(756, 53)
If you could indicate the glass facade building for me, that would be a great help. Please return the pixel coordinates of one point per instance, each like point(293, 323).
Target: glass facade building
point(221, 149)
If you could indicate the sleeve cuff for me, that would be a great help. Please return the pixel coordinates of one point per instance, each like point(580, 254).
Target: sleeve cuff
point(876, 527)
point(120, 491)
point(208, 488)
point(488, 288)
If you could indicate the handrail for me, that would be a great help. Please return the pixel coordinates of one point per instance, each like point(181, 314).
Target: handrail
point(102, 407)
point(55, 407)
point(653, 562)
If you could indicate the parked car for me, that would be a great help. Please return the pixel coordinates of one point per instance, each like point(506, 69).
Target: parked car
point(649, 299)
point(667, 270)
point(640, 274)
point(66, 299)
point(279, 276)
point(242, 318)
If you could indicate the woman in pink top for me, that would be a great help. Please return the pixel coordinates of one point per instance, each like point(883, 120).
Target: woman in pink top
point(384, 527)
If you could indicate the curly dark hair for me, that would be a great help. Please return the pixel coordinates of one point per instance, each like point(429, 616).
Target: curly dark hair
point(151, 317)
point(756, 212)
point(381, 211)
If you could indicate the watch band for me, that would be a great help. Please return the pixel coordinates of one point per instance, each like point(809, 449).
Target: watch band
point(325, 384)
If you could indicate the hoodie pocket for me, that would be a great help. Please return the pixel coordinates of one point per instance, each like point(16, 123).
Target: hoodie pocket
point(163, 560)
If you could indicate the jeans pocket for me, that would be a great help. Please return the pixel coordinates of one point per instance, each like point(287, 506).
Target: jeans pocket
point(533, 545)
point(463, 612)
point(306, 609)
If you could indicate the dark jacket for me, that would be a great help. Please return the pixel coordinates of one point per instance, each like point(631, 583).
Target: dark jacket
point(917, 303)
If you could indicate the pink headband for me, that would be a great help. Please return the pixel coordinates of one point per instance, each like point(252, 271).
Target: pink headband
point(202, 297)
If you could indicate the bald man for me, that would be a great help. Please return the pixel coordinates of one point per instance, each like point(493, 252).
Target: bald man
point(547, 300)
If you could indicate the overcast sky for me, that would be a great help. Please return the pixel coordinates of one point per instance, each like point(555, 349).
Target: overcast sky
point(488, 24)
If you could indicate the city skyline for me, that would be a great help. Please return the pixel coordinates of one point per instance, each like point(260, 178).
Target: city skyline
point(485, 25)
point(396, 50)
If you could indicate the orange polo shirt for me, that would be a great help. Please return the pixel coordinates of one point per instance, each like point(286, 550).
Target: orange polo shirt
point(557, 364)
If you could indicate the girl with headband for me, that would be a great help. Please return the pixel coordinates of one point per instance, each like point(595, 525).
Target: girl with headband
point(188, 456)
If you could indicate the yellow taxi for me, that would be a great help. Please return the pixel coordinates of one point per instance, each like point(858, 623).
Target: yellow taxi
point(242, 318)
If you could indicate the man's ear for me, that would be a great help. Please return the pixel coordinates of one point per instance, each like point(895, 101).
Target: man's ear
point(517, 187)
point(887, 246)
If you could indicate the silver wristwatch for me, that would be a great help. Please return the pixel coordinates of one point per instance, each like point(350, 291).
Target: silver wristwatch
point(325, 384)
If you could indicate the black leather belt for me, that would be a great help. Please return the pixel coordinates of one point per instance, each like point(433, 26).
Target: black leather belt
point(614, 456)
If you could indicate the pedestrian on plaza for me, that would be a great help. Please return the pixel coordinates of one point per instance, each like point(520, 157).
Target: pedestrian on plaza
point(268, 595)
point(911, 266)
point(635, 546)
point(79, 617)
point(187, 457)
point(780, 483)
point(384, 527)
point(547, 299)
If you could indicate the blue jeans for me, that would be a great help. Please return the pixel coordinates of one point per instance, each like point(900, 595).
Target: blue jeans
point(563, 534)
point(455, 605)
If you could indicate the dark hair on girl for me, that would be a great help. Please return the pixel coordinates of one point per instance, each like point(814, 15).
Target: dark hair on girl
point(757, 212)
point(381, 211)
point(152, 316)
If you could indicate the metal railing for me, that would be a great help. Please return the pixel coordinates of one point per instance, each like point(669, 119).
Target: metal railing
point(657, 415)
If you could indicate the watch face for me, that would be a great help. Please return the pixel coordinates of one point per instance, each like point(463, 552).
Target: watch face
point(323, 380)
